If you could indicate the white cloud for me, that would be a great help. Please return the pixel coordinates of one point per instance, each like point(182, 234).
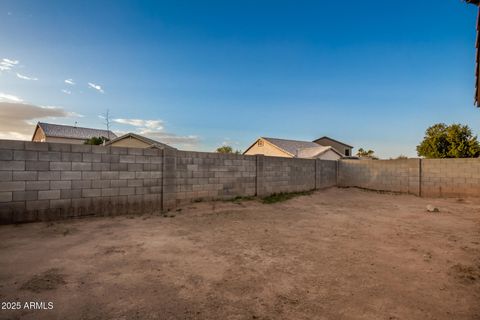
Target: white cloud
point(170, 138)
point(17, 120)
point(70, 82)
point(96, 87)
point(154, 129)
point(150, 124)
point(9, 98)
point(66, 91)
point(9, 61)
point(7, 64)
point(21, 76)
point(74, 114)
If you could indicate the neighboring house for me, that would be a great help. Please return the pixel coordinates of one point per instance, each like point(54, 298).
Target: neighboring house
point(132, 140)
point(477, 56)
point(341, 147)
point(292, 149)
point(48, 132)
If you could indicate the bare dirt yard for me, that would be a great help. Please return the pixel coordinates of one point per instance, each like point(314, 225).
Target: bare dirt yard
point(334, 254)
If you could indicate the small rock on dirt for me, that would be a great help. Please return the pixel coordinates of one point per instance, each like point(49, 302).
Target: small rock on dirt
point(431, 208)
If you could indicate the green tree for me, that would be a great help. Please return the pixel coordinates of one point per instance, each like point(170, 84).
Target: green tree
point(228, 149)
point(449, 141)
point(362, 153)
point(96, 141)
point(225, 149)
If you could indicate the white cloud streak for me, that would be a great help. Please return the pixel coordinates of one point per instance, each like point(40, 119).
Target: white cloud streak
point(21, 76)
point(154, 129)
point(150, 124)
point(9, 98)
point(66, 91)
point(7, 64)
point(96, 87)
point(70, 82)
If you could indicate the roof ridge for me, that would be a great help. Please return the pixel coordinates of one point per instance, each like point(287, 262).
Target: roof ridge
point(71, 132)
point(145, 139)
point(69, 126)
point(334, 140)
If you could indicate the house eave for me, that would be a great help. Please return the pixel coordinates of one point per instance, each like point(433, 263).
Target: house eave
point(342, 143)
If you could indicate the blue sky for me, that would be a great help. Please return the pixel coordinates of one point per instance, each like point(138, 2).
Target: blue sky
point(198, 74)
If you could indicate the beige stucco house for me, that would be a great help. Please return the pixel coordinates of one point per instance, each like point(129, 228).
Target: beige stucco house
point(341, 147)
point(48, 132)
point(132, 140)
point(292, 149)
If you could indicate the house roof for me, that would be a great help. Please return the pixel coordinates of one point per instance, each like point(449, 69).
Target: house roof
point(71, 132)
point(477, 61)
point(291, 146)
point(316, 151)
point(152, 143)
point(325, 137)
point(477, 58)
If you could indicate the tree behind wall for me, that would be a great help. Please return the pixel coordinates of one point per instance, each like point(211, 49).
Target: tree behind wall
point(96, 141)
point(449, 141)
point(227, 149)
point(362, 153)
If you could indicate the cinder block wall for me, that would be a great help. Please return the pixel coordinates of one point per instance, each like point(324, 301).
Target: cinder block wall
point(423, 177)
point(450, 177)
point(387, 175)
point(41, 181)
point(44, 181)
point(287, 175)
point(326, 173)
point(201, 175)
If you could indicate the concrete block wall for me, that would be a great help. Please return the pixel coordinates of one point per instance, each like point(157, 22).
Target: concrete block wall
point(42, 181)
point(450, 177)
point(387, 175)
point(205, 176)
point(45, 181)
point(422, 177)
point(326, 174)
point(287, 175)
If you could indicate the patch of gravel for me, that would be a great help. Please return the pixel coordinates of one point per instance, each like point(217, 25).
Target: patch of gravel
point(49, 280)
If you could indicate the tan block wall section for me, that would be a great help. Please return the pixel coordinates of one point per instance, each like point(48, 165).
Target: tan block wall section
point(288, 175)
point(65, 140)
point(44, 181)
point(386, 175)
point(326, 174)
point(425, 177)
point(451, 177)
point(207, 176)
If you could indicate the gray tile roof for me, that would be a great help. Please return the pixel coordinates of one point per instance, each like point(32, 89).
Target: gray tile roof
point(62, 131)
point(291, 146)
point(153, 143)
point(328, 138)
point(313, 152)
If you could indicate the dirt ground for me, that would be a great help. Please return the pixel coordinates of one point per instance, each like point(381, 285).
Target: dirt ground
point(335, 254)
